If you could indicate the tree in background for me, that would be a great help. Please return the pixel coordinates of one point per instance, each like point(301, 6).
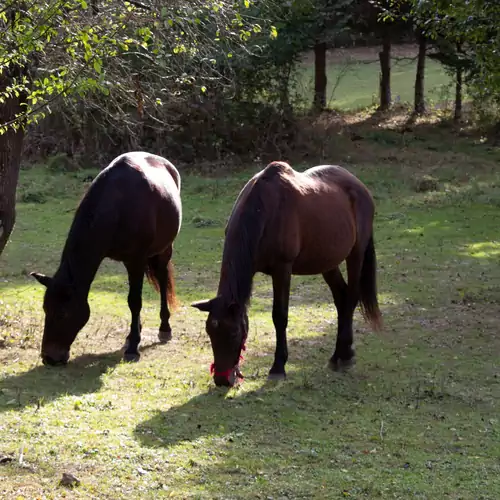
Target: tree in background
point(48, 50)
point(419, 102)
point(475, 24)
point(330, 19)
point(305, 25)
point(67, 50)
point(367, 20)
point(385, 22)
point(458, 62)
point(469, 32)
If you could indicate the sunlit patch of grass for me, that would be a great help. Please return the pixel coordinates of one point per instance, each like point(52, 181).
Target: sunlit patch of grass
point(416, 417)
point(483, 250)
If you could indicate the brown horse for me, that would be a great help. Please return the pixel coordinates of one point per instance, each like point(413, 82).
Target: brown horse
point(131, 213)
point(283, 223)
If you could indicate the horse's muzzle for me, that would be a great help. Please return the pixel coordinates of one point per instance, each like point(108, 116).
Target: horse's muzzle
point(55, 358)
point(224, 380)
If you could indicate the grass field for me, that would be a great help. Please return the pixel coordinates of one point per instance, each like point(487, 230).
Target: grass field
point(418, 417)
point(353, 78)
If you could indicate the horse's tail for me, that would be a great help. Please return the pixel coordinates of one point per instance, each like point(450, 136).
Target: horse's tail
point(171, 297)
point(368, 288)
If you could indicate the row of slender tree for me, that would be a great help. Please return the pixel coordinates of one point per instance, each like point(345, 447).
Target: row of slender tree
point(384, 23)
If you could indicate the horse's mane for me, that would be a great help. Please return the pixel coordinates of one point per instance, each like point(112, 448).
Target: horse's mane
point(243, 235)
point(80, 241)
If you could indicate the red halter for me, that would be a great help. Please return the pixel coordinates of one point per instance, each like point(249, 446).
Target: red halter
point(228, 372)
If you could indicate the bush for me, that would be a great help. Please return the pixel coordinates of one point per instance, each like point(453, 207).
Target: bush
point(33, 196)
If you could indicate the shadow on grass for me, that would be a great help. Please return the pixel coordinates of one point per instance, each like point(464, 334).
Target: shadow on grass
point(390, 370)
point(82, 375)
point(294, 438)
point(307, 399)
point(276, 427)
point(220, 412)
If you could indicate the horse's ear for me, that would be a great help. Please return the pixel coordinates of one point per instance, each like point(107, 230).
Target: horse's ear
point(41, 278)
point(203, 305)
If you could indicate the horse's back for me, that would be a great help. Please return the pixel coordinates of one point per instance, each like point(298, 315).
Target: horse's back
point(156, 170)
point(359, 195)
point(141, 191)
point(335, 175)
point(315, 181)
point(313, 217)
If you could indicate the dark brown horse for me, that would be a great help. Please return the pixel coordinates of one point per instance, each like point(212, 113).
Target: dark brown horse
point(131, 213)
point(283, 223)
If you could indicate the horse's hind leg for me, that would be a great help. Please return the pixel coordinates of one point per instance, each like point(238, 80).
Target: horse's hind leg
point(135, 280)
point(345, 298)
point(159, 265)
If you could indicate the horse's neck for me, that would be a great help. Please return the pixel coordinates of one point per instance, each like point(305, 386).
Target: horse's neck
point(237, 272)
point(242, 246)
point(78, 268)
point(81, 258)
point(235, 291)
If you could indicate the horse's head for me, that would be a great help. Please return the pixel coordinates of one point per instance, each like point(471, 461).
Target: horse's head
point(227, 327)
point(66, 313)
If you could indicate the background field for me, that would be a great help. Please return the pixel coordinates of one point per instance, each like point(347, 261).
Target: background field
point(418, 417)
point(353, 78)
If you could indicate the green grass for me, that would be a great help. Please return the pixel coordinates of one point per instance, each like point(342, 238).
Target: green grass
point(418, 417)
point(354, 84)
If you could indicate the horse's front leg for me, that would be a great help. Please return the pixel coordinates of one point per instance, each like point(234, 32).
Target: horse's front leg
point(281, 295)
point(135, 281)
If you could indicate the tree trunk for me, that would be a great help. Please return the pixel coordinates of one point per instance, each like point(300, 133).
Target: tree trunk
point(420, 77)
point(320, 81)
point(284, 92)
point(385, 71)
point(458, 89)
point(11, 143)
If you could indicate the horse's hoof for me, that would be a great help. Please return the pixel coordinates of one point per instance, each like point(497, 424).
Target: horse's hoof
point(131, 357)
point(164, 337)
point(339, 365)
point(274, 377)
